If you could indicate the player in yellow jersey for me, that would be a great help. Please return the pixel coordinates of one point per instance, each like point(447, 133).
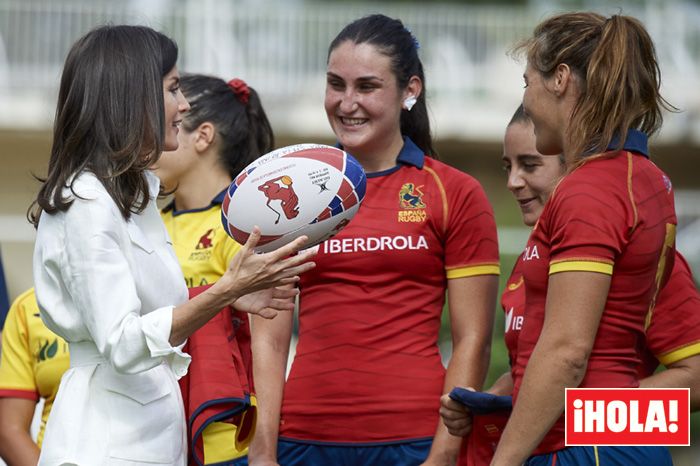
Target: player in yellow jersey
point(33, 359)
point(225, 129)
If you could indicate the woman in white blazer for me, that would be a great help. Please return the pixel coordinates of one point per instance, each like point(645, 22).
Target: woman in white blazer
point(106, 277)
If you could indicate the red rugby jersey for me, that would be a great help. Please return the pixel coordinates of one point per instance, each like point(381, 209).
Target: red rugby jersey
point(613, 213)
point(367, 367)
point(674, 332)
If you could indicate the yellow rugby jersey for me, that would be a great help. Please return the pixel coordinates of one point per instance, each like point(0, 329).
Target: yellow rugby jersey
point(203, 248)
point(33, 358)
point(204, 251)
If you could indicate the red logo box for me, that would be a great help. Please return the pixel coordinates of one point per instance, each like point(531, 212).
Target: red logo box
point(627, 416)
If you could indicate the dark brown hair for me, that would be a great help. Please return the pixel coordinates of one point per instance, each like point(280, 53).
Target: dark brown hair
point(110, 117)
point(392, 39)
point(242, 128)
point(615, 64)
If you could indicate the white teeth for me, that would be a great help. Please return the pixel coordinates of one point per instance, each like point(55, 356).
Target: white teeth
point(353, 121)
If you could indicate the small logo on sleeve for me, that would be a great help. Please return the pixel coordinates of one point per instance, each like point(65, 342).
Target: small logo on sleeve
point(627, 416)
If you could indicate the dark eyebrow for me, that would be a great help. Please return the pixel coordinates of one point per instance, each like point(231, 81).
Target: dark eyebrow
point(529, 157)
point(330, 74)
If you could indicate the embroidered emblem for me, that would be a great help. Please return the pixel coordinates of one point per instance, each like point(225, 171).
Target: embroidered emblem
point(411, 197)
point(205, 241)
point(411, 204)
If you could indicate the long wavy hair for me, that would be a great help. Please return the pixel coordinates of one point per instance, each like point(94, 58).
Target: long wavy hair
point(110, 116)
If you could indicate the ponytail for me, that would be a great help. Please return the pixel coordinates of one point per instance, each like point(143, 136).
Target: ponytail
point(242, 128)
point(615, 64)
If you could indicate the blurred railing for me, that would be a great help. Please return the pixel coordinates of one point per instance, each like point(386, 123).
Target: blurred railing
point(280, 48)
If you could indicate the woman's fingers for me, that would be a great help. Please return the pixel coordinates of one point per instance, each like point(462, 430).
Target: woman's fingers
point(253, 239)
point(284, 293)
point(290, 280)
point(289, 248)
point(282, 305)
point(456, 417)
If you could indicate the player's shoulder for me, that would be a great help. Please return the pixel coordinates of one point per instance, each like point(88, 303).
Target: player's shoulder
point(23, 307)
point(448, 175)
point(595, 178)
point(27, 300)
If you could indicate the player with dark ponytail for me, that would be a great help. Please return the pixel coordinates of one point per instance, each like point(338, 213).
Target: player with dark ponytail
point(225, 129)
point(365, 384)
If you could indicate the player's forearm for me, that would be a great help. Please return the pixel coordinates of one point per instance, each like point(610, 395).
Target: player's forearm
point(503, 385)
point(552, 368)
point(193, 314)
point(17, 448)
point(467, 368)
point(445, 448)
point(270, 347)
point(16, 444)
point(469, 362)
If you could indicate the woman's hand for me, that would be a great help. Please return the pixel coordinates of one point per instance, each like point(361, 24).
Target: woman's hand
point(249, 272)
point(268, 302)
point(457, 418)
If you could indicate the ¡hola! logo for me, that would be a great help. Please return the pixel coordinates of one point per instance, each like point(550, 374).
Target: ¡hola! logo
point(627, 416)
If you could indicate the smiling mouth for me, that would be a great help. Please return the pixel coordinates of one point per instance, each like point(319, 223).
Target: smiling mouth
point(524, 202)
point(352, 121)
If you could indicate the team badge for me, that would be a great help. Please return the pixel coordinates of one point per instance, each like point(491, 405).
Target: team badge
point(204, 246)
point(411, 205)
point(411, 197)
point(205, 241)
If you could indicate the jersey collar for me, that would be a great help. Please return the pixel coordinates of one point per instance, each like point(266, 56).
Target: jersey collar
point(410, 154)
point(636, 141)
point(218, 200)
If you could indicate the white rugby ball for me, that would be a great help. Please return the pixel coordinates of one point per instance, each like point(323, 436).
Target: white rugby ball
point(304, 189)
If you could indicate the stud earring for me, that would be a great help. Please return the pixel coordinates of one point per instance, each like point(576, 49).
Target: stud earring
point(410, 102)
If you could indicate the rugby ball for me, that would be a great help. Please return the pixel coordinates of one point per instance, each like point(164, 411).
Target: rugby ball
point(304, 189)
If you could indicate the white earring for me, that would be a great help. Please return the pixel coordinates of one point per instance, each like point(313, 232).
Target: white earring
point(410, 102)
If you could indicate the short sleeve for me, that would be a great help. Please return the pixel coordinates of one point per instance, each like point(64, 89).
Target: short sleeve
point(674, 331)
point(471, 241)
point(587, 224)
point(16, 368)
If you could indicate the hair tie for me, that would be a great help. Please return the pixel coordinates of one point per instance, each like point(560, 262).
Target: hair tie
point(240, 89)
point(416, 44)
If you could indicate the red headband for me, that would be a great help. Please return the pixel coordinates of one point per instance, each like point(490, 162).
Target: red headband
point(240, 88)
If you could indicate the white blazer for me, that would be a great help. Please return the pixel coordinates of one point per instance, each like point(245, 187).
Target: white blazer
point(108, 287)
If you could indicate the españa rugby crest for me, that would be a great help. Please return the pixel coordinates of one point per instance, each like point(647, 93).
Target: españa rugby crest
point(411, 204)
